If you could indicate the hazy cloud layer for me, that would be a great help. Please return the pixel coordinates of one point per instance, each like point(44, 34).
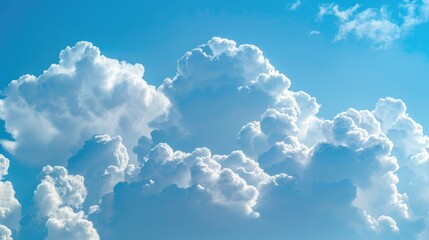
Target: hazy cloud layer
point(211, 93)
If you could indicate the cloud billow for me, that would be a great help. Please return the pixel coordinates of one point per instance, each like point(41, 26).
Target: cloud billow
point(10, 208)
point(222, 149)
point(381, 26)
point(86, 93)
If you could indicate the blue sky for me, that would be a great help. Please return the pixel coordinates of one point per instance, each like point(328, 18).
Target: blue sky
point(168, 97)
point(156, 34)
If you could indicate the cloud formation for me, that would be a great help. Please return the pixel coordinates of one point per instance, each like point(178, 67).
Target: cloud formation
point(103, 162)
point(342, 172)
point(232, 180)
point(86, 93)
point(225, 149)
point(10, 208)
point(213, 86)
point(5, 233)
point(380, 25)
point(58, 199)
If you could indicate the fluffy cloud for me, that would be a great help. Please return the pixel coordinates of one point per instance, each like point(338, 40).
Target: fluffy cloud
point(410, 146)
point(4, 166)
point(103, 162)
point(5, 233)
point(210, 94)
point(69, 225)
point(410, 143)
point(58, 199)
point(10, 208)
point(351, 146)
point(238, 154)
point(232, 180)
point(377, 25)
point(291, 165)
point(86, 93)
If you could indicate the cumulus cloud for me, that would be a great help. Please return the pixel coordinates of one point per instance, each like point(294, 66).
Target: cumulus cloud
point(86, 93)
point(103, 162)
point(10, 208)
point(210, 94)
point(233, 153)
point(231, 180)
point(58, 200)
point(377, 24)
point(351, 146)
point(69, 225)
point(354, 157)
point(5, 233)
point(410, 146)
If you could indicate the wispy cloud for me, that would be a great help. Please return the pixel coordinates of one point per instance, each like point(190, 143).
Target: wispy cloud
point(295, 5)
point(378, 25)
point(313, 33)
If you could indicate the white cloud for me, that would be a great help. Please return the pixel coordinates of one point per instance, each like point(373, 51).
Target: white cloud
point(407, 135)
point(410, 146)
point(103, 162)
point(314, 33)
point(295, 5)
point(10, 208)
point(58, 199)
point(5, 233)
point(85, 94)
point(292, 118)
point(210, 94)
point(69, 225)
point(233, 180)
point(4, 166)
point(333, 9)
point(343, 172)
point(417, 12)
point(236, 144)
point(382, 223)
point(377, 24)
point(58, 189)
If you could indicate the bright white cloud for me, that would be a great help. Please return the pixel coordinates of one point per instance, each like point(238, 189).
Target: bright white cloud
point(237, 155)
point(4, 166)
point(5, 233)
point(103, 162)
point(313, 33)
point(10, 208)
point(58, 200)
point(210, 94)
point(344, 171)
point(69, 225)
point(351, 146)
point(233, 180)
point(85, 94)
